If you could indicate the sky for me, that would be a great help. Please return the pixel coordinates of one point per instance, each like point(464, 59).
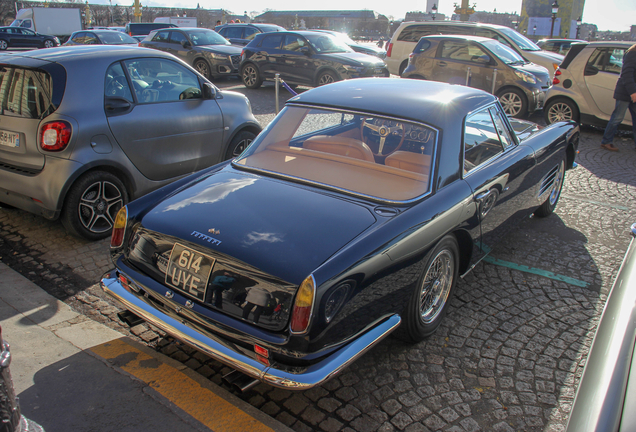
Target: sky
point(615, 15)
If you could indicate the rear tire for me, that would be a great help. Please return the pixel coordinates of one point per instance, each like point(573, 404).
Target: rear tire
point(3, 45)
point(560, 109)
point(326, 78)
point(429, 301)
point(49, 43)
point(239, 143)
point(402, 67)
point(92, 203)
point(513, 102)
point(251, 77)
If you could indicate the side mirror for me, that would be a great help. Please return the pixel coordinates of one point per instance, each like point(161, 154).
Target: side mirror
point(590, 70)
point(185, 44)
point(209, 92)
point(305, 50)
point(483, 59)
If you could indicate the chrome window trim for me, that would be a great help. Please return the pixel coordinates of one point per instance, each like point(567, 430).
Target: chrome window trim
point(347, 191)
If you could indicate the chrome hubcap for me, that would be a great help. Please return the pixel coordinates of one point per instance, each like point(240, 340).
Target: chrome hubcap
point(436, 286)
point(99, 205)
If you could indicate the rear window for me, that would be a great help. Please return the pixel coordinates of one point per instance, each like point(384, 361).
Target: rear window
point(415, 32)
point(25, 93)
point(145, 28)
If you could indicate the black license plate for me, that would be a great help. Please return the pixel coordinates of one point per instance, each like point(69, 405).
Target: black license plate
point(189, 270)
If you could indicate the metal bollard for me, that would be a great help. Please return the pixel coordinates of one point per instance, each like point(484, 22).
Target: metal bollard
point(468, 75)
point(494, 79)
point(277, 81)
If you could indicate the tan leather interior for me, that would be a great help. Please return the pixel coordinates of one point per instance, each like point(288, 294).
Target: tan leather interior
point(418, 163)
point(339, 145)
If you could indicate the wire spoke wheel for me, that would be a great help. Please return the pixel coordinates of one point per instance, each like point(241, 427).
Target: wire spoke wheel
point(436, 286)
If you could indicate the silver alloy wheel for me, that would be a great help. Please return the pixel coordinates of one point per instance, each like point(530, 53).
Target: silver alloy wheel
point(560, 111)
point(437, 285)
point(249, 75)
point(556, 185)
point(202, 67)
point(242, 145)
point(326, 78)
point(3, 45)
point(511, 103)
point(99, 205)
point(48, 44)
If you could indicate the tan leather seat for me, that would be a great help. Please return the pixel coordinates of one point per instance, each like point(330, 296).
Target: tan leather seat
point(414, 162)
point(342, 146)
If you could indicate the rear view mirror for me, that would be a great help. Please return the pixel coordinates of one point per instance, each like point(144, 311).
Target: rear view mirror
point(185, 44)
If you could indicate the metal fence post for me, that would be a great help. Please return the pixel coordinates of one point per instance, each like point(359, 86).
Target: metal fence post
point(277, 81)
point(494, 79)
point(468, 75)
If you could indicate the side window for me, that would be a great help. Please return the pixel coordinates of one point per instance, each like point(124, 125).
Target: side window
point(162, 36)
point(481, 141)
point(597, 57)
point(223, 32)
point(415, 32)
point(177, 37)
point(79, 37)
point(502, 129)
point(272, 41)
point(234, 32)
point(250, 32)
point(161, 80)
point(452, 30)
point(116, 84)
point(293, 43)
point(461, 51)
point(91, 39)
point(614, 62)
point(26, 24)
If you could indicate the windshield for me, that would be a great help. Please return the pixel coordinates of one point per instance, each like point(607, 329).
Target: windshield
point(522, 42)
point(116, 38)
point(363, 154)
point(207, 37)
point(504, 52)
point(325, 43)
point(344, 37)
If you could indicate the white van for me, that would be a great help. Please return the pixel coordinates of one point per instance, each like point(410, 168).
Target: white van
point(409, 33)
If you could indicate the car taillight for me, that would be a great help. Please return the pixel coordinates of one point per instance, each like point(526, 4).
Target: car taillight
point(389, 49)
point(301, 314)
point(555, 80)
point(55, 136)
point(119, 228)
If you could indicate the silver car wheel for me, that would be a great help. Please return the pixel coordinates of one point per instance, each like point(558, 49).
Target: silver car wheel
point(3, 45)
point(99, 205)
point(49, 44)
point(202, 67)
point(560, 111)
point(250, 76)
point(511, 103)
point(326, 78)
point(242, 145)
point(437, 285)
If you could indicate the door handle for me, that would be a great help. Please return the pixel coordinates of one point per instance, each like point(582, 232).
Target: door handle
point(442, 64)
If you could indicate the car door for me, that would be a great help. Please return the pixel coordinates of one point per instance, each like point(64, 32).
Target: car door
point(30, 39)
point(176, 48)
point(496, 168)
point(601, 74)
point(463, 62)
point(269, 55)
point(182, 132)
point(294, 63)
point(161, 41)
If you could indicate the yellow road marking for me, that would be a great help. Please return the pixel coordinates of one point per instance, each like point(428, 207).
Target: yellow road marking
point(202, 404)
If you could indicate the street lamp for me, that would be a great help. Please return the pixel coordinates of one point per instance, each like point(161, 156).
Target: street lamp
point(578, 26)
point(434, 10)
point(555, 11)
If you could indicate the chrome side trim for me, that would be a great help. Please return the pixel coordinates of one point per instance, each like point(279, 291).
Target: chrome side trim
point(291, 378)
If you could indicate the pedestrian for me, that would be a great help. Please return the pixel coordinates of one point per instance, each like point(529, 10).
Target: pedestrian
point(218, 22)
point(625, 95)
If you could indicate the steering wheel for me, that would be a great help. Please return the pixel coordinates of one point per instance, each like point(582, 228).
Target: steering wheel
point(384, 132)
point(115, 88)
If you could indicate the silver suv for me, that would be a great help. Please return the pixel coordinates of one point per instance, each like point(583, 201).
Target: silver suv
point(583, 86)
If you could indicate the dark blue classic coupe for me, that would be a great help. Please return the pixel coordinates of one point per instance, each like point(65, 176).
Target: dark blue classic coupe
point(350, 216)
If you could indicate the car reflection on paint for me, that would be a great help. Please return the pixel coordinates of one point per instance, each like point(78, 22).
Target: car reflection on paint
point(347, 218)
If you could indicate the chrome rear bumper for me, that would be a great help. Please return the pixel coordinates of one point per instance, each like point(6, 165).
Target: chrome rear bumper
point(301, 378)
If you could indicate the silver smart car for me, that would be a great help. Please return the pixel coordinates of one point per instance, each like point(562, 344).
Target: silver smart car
point(85, 129)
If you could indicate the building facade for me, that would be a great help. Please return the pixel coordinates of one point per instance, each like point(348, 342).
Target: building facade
point(536, 18)
point(353, 22)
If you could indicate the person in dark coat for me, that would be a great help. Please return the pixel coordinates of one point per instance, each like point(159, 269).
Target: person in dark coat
point(625, 95)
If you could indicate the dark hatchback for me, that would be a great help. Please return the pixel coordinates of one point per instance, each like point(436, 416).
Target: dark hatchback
point(15, 37)
point(305, 58)
point(100, 37)
point(203, 49)
point(244, 33)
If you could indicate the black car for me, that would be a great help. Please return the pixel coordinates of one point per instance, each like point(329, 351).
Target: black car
point(16, 37)
point(140, 29)
point(305, 58)
point(203, 49)
point(364, 49)
point(100, 37)
point(243, 33)
point(353, 213)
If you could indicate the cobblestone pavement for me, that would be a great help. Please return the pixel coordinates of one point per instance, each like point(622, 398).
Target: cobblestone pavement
point(507, 357)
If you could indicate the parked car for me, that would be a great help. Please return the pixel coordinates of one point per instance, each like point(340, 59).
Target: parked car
point(16, 37)
point(605, 395)
point(354, 212)
point(484, 64)
point(559, 46)
point(583, 86)
point(364, 49)
point(100, 37)
point(85, 129)
point(408, 34)
point(304, 58)
point(205, 50)
point(143, 29)
point(244, 33)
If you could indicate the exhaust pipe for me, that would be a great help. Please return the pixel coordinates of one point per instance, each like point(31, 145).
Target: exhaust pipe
point(240, 381)
point(129, 318)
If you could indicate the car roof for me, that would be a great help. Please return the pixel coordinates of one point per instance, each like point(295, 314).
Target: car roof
point(454, 23)
point(107, 53)
point(479, 39)
point(429, 102)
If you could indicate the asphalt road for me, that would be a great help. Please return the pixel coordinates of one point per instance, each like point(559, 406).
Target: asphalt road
point(508, 355)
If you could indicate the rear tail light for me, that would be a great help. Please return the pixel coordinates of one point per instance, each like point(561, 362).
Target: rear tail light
point(389, 49)
point(55, 136)
point(119, 228)
point(301, 314)
point(555, 80)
